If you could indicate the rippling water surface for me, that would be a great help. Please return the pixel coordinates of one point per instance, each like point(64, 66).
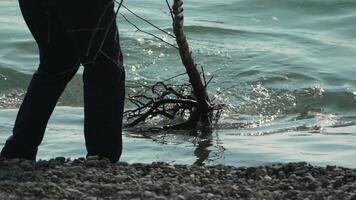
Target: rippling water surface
point(285, 68)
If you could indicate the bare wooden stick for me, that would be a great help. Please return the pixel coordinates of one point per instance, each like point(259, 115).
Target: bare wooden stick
point(190, 101)
point(199, 90)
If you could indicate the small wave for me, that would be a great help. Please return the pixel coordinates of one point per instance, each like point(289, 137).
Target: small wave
point(213, 30)
point(260, 110)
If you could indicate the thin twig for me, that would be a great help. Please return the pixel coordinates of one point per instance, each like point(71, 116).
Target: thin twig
point(173, 77)
point(170, 10)
point(204, 78)
point(108, 30)
point(97, 28)
point(138, 29)
point(148, 22)
point(159, 103)
point(211, 78)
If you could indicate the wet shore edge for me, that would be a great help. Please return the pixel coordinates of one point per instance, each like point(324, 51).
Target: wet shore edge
point(91, 178)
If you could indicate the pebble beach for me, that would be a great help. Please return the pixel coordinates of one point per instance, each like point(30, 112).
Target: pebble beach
point(91, 179)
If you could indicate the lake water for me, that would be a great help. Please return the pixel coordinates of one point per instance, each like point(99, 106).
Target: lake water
point(287, 68)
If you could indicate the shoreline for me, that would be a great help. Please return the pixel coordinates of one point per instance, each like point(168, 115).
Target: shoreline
point(90, 179)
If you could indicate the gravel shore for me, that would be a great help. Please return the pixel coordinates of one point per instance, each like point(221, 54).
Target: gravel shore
point(92, 179)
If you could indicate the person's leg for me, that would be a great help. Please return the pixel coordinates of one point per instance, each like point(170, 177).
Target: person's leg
point(104, 75)
point(58, 64)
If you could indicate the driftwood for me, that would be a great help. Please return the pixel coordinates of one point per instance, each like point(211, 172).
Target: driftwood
point(189, 102)
point(203, 107)
point(169, 101)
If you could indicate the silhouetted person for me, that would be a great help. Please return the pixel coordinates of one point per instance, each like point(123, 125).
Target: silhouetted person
point(70, 33)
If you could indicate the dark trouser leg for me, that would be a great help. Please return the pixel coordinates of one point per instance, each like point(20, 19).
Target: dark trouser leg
point(58, 64)
point(104, 75)
point(104, 103)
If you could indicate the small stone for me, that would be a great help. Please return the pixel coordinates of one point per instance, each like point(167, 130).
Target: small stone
point(121, 178)
point(75, 192)
point(152, 187)
point(58, 173)
point(91, 198)
point(38, 191)
point(281, 175)
point(92, 158)
point(292, 193)
point(277, 167)
point(27, 165)
point(125, 193)
point(261, 172)
point(210, 195)
point(170, 167)
point(103, 162)
point(207, 173)
point(276, 193)
point(292, 177)
point(180, 197)
point(160, 198)
point(13, 161)
point(267, 178)
point(167, 186)
point(284, 186)
point(337, 183)
point(330, 167)
point(61, 160)
point(121, 163)
point(75, 169)
point(81, 159)
point(148, 194)
point(138, 165)
point(53, 163)
point(309, 178)
point(92, 163)
point(251, 171)
point(246, 191)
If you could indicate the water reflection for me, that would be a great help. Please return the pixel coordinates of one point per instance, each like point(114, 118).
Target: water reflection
point(202, 150)
point(207, 145)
